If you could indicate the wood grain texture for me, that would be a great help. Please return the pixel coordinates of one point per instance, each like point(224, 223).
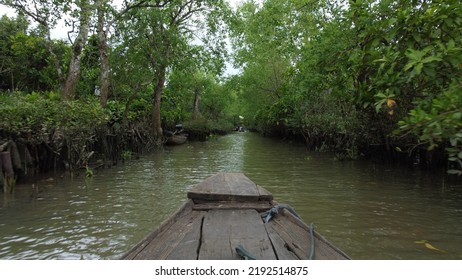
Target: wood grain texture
point(280, 246)
point(180, 241)
point(228, 187)
point(260, 206)
point(224, 230)
point(296, 239)
point(295, 236)
point(185, 209)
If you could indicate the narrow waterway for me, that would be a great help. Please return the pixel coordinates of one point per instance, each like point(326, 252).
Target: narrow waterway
point(370, 211)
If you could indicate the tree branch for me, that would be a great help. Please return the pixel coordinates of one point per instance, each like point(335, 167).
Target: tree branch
point(142, 4)
point(22, 8)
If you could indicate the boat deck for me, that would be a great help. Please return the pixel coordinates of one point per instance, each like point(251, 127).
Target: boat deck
point(223, 213)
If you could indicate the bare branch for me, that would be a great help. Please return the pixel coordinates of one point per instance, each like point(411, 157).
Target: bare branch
point(179, 18)
point(41, 19)
point(142, 4)
point(70, 32)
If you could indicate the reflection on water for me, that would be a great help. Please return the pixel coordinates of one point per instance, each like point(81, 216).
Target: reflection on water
point(367, 210)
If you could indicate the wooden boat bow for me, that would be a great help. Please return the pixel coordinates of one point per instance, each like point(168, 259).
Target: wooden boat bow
point(223, 213)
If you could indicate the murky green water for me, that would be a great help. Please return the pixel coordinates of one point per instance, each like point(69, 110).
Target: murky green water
point(369, 211)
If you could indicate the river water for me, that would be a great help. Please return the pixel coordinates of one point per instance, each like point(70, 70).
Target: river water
point(368, 210)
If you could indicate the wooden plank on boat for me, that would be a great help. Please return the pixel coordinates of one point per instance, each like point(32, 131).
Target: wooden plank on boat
point(224, 230)
point(260, 206)
point(180, 241)
point(324, 250)
point(188, 248)
point(228, 187)
point(264, 194)
point(280, 246)
point(296, 237)
point(185, 209)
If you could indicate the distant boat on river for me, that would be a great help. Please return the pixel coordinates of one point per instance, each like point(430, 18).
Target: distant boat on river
point(176, 139)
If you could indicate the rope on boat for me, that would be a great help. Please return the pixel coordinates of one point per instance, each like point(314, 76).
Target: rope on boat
point(268, 215)
point(312, 241)
point(244, 253)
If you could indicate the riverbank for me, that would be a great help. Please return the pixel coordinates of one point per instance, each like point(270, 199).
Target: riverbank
point(40, 133)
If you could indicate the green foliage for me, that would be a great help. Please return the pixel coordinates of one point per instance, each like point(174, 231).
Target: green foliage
point(215, 104)
point(159, 40)
point(267, 41)
point(90, 69)
point(439, 122)
point(221, 126)
point(126, 155)
point(38, 114)
point(201, 128)
point(409, 50)
point(344, 76)
point(88, 172)
point(68, 129)
point(26, 62)
point(296, 71)
point(408, 61)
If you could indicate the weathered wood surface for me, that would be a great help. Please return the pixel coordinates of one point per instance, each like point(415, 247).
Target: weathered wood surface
point(223, 213)
point(287, 231)
point(178, 242)
point(260, 206)
point(229, 187)
point(184, 210)
point(224, 230)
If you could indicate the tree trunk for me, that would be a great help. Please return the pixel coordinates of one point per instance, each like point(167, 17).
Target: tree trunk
point(9, 178)
point(54, 57)
point(1, 173)
point(12, 81)
point(156, 121)
point(104, 79)
point(196, 105)
point(70, 85)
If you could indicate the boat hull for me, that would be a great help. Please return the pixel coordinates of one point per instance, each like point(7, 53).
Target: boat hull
point(224, 213)
point(177, 139)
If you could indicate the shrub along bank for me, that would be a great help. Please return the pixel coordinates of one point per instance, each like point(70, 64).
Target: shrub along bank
point(41, 132)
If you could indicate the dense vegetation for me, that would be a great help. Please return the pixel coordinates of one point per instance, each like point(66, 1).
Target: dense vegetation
point(98, 98)
point(373, 78)
point(363, 77)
